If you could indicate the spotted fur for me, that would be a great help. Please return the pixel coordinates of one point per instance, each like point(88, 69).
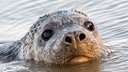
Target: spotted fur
point(32, 47)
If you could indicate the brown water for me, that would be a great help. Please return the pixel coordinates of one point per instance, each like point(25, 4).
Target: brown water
point(111, 17)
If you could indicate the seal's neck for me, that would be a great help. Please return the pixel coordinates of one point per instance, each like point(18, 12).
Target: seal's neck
point(10, 51)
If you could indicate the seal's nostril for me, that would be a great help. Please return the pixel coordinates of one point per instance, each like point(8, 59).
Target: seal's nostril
point(82, 37)
point(68, 39)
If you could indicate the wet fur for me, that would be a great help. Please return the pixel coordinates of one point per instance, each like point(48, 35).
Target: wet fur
point(26, 48)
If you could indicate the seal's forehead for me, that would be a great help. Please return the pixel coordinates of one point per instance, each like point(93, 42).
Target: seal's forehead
point(62, 18)
point(68, 16)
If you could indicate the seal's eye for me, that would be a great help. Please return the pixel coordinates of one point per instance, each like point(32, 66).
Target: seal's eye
point(89, 25)
point(47, 34)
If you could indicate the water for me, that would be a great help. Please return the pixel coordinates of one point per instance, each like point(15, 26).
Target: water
point(110, 16)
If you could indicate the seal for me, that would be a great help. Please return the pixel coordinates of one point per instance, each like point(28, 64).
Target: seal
point(60, 37)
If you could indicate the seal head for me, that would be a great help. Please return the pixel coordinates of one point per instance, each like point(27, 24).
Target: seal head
point(62, 37)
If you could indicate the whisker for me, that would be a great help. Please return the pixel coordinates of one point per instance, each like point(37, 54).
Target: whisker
point(108, 50)
point(106, 53)
point(100, 53)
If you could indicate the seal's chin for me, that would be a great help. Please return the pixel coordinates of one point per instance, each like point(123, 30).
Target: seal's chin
point(79, 59)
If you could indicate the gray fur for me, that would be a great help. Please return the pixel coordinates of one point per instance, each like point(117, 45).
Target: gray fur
point(31, 46)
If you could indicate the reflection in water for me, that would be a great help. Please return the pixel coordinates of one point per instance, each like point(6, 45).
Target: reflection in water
point(90, 66)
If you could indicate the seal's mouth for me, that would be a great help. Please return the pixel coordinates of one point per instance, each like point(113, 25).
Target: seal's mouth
point(79, 59)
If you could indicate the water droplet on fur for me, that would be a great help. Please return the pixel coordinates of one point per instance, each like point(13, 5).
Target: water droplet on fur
point(65, 30)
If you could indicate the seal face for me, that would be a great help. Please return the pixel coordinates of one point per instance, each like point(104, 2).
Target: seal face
point(62, 37)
